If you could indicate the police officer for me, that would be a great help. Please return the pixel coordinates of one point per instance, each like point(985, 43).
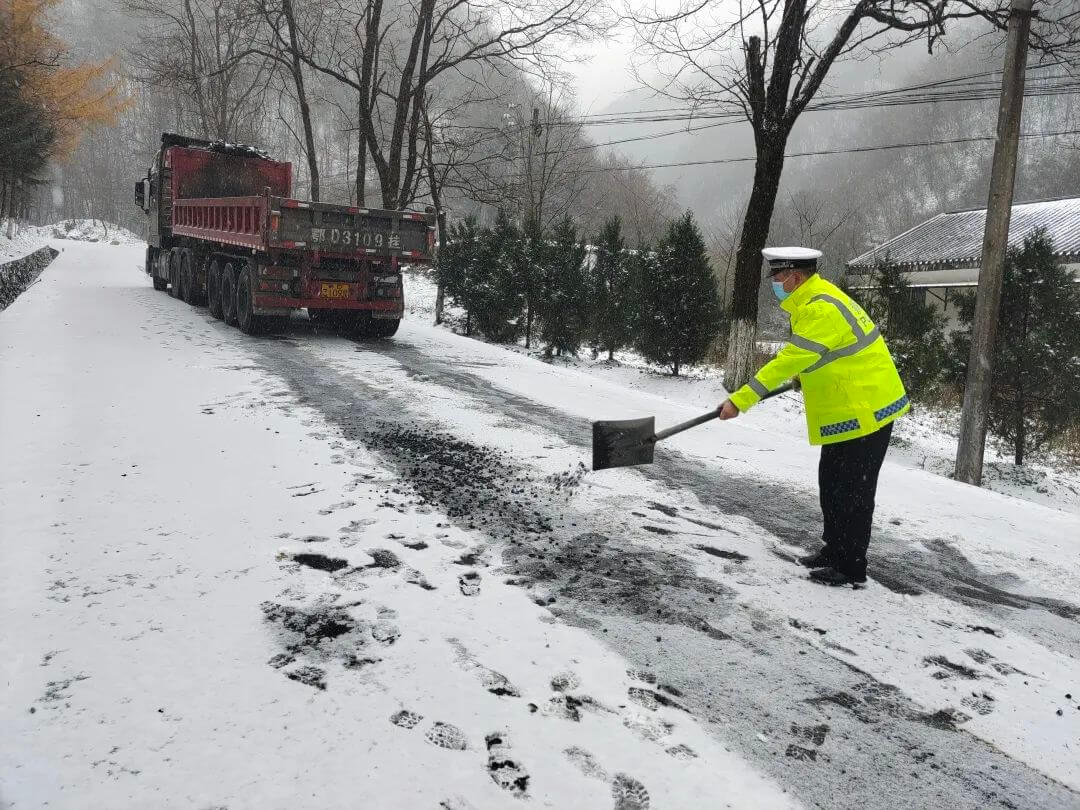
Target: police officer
point(852, 394)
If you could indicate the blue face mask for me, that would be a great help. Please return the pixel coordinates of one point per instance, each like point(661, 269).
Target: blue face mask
point(779, 291)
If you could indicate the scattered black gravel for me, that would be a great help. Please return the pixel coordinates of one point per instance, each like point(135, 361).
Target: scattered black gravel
point(873, 700)
point(308, 675)
point(383, 558)
point(312, 626)
point(321, 562)
point(949, 669)
point(313, 635)
point(734, 556)
point(635, 580)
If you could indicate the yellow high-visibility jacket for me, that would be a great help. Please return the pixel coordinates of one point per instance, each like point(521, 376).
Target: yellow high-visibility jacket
point(849, 381)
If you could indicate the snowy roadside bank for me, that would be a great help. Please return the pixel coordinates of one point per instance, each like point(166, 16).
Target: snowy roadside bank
point(17, 275)
point(925, 439)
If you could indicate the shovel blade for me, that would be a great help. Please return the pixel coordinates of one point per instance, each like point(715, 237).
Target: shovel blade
point(623, 442)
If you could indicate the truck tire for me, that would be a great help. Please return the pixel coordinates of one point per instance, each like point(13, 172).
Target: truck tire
point(362, 325)
point(151, 256)
point(198, 279)
point(246, 319)
point(187, 277)
point(161, 270)
point(174, 272)
point(228, 294)
point(213, 288)
point(384, 327)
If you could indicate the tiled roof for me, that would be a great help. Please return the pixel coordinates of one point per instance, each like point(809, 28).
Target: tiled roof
point(956, 237)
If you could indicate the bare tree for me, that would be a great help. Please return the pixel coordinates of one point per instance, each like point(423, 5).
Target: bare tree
point(191, 47)
point(537, 173)
point(616, 187)
point(767, 59)
point(392, 55)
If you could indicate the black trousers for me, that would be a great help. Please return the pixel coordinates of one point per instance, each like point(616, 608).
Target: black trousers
point(847, 479)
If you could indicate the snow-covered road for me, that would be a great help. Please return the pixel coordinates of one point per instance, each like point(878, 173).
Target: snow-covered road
point(300, 571)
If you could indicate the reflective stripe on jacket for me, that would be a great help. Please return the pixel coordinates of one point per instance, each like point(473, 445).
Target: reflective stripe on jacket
point(849, 381)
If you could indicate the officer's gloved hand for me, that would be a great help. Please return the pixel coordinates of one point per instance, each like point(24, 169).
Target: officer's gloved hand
point(796, 383)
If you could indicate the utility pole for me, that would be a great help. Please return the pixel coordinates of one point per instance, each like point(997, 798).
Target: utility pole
point(969, 452)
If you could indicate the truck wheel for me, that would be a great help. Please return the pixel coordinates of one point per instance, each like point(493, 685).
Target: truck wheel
point(151, 256)
point(213, 288)
point(161, 270)
point(384, 328)
point(187, 277)
point(228, 294)
point(362, 325)
point(174, 272)
point(246, 319)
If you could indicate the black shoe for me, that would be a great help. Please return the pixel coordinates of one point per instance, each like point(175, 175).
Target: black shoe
point(822, 559)
point(834, 578)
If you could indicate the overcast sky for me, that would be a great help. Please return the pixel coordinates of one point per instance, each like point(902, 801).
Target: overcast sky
point(605, 74)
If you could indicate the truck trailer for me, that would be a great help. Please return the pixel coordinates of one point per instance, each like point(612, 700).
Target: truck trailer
point(223, 230)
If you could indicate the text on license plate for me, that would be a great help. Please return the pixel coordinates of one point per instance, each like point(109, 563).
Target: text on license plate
point(334, 291)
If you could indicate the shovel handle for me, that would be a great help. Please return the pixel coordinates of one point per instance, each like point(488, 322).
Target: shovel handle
point(706, 417)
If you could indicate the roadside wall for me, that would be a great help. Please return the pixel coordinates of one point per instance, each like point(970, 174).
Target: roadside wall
point(17, 275)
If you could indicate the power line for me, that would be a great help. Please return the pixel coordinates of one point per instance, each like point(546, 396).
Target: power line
point(821, 152)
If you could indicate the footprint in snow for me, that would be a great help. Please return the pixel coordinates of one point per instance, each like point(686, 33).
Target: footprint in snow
point(415, 577)
point(628, 793)
point(406, 718)
point(337, 507)
point(651, 700)
point(982, 704)
point(585, 762)
point(505, 772)
point(681, 751)
point(443, 735)
point(494, 682)
point(469, 583)
point(565, 682)
point(385, 629)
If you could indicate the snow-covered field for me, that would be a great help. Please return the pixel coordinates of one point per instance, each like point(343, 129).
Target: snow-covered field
point(301, 571)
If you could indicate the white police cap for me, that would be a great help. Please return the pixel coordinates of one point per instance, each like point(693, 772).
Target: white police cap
point(790, 258)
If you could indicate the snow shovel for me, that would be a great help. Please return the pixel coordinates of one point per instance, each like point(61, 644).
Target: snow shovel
point(626, 442)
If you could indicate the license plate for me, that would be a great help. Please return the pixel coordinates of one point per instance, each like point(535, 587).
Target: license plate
point(334, 291)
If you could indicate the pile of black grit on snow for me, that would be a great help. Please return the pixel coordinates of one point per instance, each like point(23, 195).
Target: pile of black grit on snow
point(483, 488)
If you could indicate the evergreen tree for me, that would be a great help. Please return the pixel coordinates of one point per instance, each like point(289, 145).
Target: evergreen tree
point(460, 267)
point(500, 300)
point(563, 292)
point(1035, 390)
point(679, 307)
point(914, 330)
point(611, 291)
point(27, 140)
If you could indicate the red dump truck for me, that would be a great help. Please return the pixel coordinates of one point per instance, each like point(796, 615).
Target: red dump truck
point(223, 230)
